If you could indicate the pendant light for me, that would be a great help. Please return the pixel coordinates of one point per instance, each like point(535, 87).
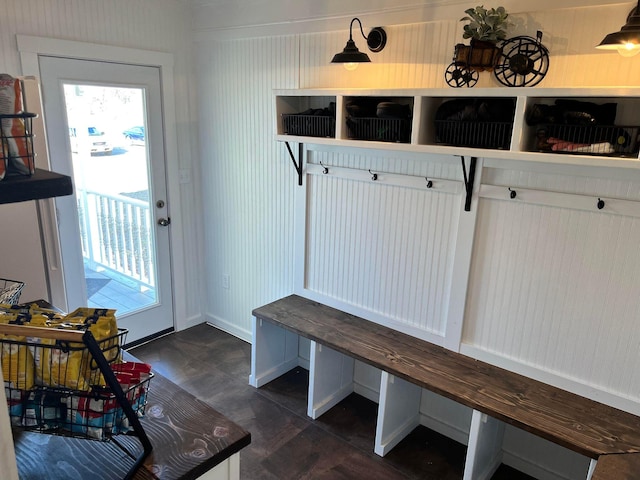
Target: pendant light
point(351, 56)
point(627, 40)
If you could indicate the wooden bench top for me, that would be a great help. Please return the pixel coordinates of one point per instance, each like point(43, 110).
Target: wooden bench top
point(577, 423)
point(618, 467)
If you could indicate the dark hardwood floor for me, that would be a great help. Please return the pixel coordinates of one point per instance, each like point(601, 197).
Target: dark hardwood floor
point(285, 443)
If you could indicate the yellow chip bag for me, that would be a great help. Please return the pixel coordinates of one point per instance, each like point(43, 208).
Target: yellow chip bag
point(58, 364)
point(17, 360)
point(101, 322)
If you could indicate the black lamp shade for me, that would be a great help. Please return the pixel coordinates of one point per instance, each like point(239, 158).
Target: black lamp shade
point(622, 37)
point(376, 41)
point(350, 54)
point(629, 34)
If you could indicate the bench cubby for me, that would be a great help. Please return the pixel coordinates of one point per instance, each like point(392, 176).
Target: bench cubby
point(410, 367)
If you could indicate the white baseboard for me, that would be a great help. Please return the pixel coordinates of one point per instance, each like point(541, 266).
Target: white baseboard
point(366, 392)
point(189, 322)
point(444, 428)
point(229, 327)
point(532, 469)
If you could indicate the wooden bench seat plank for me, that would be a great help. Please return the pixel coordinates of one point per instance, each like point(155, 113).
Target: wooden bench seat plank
point(617, 467)
point(582, 425)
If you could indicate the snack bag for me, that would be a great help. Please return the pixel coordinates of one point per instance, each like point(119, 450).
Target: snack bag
point(17, 360)
point(59, 364)
point(92, 416)
point(13, 129)
point(132, 377)
point(102, 324)
point(43, 410)
point(14, 403)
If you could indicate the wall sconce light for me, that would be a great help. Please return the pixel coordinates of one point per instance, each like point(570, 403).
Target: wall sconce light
point(351, 56)
point(627, 40)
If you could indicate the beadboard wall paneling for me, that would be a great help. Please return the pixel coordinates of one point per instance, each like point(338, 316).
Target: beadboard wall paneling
point(627, 187)
point(385, 249)
point(417, 55)
point(556, 289)
point(248, 179)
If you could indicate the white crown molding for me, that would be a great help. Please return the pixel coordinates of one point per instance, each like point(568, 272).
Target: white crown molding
point(224, 20)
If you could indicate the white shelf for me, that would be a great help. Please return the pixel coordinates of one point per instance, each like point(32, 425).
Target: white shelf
point(425, 102)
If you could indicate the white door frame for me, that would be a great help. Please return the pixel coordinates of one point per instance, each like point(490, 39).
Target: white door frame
point(29, 48)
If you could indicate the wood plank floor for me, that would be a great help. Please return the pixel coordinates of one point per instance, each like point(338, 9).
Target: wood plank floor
point(285, 443)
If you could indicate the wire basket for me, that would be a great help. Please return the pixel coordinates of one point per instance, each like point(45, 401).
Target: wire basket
point(10, 291)
point(601, 140)
point(16, 137)
point(57, 386)
point(496, 135)
point(309, 125)
point(379, 129)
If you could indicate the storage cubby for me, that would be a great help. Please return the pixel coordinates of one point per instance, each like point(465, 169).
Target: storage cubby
point(480, 122)
point(307, 116)
point(601, 126)
point(379, 119)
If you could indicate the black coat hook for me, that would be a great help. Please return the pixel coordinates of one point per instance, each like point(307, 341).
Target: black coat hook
point(513, 193)
point(374, 176)
point(600, 204)
point(325, 170)
point(429, 182)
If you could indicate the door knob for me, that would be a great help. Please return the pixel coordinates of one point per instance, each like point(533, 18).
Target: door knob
point(163, 222)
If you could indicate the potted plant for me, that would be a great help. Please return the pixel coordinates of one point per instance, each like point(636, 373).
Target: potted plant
point(485, 28)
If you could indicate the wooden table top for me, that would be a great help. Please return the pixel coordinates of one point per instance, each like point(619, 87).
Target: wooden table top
point(188, 436)
point(582, 425)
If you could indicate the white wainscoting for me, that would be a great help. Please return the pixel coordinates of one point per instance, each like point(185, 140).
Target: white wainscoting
point(553, 286)
point(382, 246)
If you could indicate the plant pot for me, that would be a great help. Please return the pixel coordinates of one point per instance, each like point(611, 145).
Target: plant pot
point(479, 55)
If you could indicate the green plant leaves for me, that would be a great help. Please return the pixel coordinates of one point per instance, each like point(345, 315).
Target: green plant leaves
point(486, 24)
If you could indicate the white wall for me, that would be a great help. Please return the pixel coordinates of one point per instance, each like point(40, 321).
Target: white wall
point(159, 25)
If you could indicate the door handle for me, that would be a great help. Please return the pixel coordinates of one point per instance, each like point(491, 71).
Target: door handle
point(164, 222)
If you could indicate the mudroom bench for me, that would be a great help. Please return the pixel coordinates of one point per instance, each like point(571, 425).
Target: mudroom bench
point(610, 437)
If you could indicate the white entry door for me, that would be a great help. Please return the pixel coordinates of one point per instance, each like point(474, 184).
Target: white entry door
point(105, 130)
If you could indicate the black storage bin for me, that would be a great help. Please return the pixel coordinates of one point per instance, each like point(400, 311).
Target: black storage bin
point(380, 129)
point(379, 119)
point(598, 140)
point(496, 135)
point(475, 122)
point(309, 125)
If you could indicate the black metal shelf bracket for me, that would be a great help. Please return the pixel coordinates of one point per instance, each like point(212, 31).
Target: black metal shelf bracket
point(297, 165)
point(468, 180)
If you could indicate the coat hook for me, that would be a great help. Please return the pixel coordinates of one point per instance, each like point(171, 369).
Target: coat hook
point(429, 182)
point(325, 170)
point(513, 193)
point(374, 176)
point(600, 204)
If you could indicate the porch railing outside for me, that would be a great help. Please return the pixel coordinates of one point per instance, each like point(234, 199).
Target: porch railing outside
point(116, 234)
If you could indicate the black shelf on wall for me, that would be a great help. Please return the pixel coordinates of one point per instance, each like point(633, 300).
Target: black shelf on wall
point(42, 184)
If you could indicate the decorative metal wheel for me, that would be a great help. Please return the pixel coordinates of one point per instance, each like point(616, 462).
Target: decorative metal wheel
point(524, 62)
point(459, 75)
